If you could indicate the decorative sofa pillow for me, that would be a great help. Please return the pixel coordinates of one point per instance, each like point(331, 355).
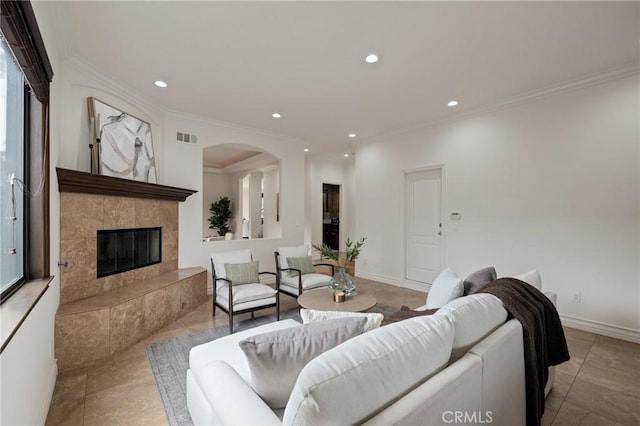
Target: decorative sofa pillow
point(446, 287)
point(532, 278)
point(242, 273)
point(304, 264)
point(406, 312)
point(478, 279)
point(276, 358)
point(311, 315)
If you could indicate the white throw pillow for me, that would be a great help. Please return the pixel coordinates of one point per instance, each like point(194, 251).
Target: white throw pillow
point(532, 278)
point(311, 315)
point(446, 287)
point(349, 383)
point(276, 358)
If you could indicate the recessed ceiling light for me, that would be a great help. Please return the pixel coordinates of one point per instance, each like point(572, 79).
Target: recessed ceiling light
point(352, 135)
point(160, 83)
point(346, 155)
point(371, 58)
point(306, 150)
point(276, 115)
point(452, 103)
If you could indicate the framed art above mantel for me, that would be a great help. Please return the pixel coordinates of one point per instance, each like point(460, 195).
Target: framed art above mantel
point(121, 144)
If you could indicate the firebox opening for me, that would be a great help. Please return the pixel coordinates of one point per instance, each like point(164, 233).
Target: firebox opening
point(121, 250)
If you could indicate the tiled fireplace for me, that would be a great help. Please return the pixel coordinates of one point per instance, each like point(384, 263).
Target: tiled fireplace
point(83, 215)
point(104, 312)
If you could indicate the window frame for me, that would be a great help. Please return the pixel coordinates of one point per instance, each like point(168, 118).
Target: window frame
point(20, 30)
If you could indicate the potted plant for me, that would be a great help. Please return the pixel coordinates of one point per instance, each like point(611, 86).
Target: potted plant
point(342, 281)
point(220, 215)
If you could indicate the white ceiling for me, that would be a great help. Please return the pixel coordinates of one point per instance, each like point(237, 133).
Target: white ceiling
point(241, 61)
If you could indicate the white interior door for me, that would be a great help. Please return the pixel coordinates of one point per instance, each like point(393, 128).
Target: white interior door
point(423, 226)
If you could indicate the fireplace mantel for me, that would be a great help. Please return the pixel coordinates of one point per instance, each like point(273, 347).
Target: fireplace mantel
point(88, 183)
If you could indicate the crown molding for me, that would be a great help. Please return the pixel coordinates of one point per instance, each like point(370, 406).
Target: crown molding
point(521, 99)
point(117, 88)
point(234, 126)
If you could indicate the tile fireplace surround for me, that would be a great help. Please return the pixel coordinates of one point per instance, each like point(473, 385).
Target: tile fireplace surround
point(98, 317)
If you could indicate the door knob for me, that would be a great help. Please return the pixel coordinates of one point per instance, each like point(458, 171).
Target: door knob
point(439, 232)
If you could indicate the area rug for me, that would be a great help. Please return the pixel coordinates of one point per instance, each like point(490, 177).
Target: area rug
point(170, 360)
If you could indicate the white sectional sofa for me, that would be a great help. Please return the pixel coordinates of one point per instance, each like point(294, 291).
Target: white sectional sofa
point(464, 363)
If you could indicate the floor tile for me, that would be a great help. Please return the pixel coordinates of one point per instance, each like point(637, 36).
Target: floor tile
point(67, 404)
point(571, 415)
point(604, 402)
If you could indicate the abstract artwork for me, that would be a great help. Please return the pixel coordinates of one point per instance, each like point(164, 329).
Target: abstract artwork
point(123, 143)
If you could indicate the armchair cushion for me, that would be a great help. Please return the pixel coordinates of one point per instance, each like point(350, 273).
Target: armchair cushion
point(304, 264)
point(242, 273)
point(276, 358)
point(236, 256)
point(246, 293)
point(309, 281)
point(297, 251)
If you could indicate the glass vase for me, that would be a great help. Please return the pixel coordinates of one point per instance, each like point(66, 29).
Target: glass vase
point(342, 281)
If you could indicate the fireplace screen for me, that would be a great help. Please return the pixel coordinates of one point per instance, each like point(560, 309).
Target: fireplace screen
point(122, 250)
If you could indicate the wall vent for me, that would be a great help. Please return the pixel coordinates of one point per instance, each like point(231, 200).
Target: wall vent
point(186, 138)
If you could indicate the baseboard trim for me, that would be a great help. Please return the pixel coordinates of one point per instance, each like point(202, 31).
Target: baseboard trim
point(50, 387)
point(596, 327)
point(379, 278)
point(389, 280)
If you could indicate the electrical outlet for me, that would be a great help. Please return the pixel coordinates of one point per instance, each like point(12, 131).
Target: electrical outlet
point(575, 297)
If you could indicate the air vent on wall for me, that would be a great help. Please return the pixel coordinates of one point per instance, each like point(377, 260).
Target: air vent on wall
point(186, 138)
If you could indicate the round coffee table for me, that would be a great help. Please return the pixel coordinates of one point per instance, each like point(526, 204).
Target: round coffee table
point(322, 300)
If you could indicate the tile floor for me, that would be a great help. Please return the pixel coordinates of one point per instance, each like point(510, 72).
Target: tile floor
point(599, 386)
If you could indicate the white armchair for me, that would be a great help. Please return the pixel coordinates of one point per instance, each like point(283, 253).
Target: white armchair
point(293, 281)
point(236, 285)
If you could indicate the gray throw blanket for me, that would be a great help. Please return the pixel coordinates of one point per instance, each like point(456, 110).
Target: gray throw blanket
point(544, 341)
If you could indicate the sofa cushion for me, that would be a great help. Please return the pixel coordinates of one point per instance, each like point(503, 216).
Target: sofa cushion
point(352, 381)
point(478, 279)
point(276, 358)
point(242, 273)
point(304, 264)
point(532, 278)
point(311, 315)
point(474, 317)
point(446, 287)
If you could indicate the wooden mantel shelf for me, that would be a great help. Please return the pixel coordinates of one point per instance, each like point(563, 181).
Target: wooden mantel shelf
point(87, 183)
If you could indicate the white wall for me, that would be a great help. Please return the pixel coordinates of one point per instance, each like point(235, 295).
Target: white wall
point(551, 184)
point(214, 186)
